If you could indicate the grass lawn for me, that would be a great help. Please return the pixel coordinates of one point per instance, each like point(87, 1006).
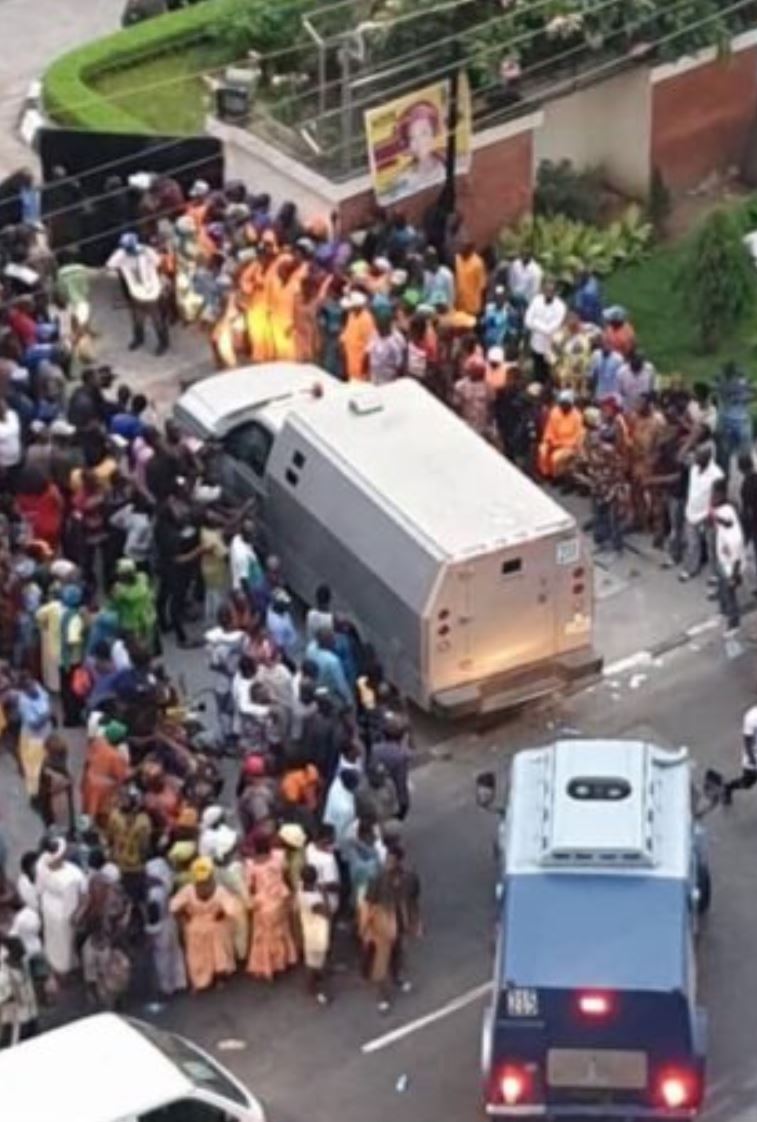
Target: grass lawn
point(666, 332)
point(176, 107)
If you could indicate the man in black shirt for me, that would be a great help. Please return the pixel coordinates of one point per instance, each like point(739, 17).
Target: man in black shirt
point(177, 540)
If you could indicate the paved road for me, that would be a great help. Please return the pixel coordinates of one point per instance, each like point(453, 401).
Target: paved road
point(34, 34)
point(307, 1063)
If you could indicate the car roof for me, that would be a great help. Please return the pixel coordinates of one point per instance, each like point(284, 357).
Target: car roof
point(647, 832)
point(86, 1072)
point(582, 932)
point(454, 490)
point(221, 402)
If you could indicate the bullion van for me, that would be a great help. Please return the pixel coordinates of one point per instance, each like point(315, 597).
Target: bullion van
point(108, 1068)
point(471, 583)
point(594, 1008)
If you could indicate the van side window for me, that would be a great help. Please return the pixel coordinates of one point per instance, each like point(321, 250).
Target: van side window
point(512, 567)
point(187, 1110)
point(251, 444)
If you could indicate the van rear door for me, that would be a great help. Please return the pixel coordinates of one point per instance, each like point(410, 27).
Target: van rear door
point(570, 1051)
point(511, 607)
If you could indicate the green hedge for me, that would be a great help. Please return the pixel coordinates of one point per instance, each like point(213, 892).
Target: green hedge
point(71, 100)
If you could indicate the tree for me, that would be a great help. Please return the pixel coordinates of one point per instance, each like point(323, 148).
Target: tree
point(718, 281)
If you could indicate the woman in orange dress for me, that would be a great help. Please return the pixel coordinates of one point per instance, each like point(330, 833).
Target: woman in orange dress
point(256, 283)
point(273, 948)
point(105, 769)
point(283, 297)
point(206, 911)
point(307, 303)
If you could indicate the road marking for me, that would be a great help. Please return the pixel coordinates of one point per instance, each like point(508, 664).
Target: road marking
point(705, 625)
point(640, 658)
point(453, 1006)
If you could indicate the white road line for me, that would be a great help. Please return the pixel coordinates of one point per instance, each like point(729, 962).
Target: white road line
point(705, 625)
point(453, 1006)
point(640, 658)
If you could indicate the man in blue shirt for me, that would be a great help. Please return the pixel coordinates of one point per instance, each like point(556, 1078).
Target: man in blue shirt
point(604, 373)
point(330, 670)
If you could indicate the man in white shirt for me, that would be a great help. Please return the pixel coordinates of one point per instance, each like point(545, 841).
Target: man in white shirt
point(138, 266)
point(698, 528)
point(729, 554)
point(11, 452)
point(748, 777)
point(524, 278)
point(545, 316)
point(243, 560)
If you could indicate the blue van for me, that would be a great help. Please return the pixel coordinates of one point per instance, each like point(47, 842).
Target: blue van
point(603, 877)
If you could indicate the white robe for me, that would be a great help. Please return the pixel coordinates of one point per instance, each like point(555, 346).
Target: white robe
point(60, 893)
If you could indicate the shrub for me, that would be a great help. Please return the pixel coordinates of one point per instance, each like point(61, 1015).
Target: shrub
point(561, 189)
point(718, 279)
point(71, 100)
point(563, 247)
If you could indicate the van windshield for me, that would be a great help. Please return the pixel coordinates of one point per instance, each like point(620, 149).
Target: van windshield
point(193, 1063)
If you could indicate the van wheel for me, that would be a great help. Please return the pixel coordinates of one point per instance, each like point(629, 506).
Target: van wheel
point(704, 885)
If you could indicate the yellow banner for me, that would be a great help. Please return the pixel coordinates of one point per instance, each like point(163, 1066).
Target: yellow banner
point(407, 140)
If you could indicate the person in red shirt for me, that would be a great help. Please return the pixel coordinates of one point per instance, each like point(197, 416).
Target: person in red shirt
point(21, 322)
point(40, 504)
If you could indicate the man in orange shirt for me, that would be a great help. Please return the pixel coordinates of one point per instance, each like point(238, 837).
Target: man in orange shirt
point(470, 280)
point(563, 438)
point(356, 335)
point(619, 334)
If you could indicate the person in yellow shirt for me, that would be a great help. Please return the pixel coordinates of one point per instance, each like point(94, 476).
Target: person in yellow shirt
point(470, 280)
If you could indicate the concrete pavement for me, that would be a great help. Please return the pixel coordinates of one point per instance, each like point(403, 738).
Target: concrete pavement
point(34, 34)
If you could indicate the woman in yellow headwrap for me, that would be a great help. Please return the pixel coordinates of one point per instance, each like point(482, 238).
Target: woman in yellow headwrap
point(205, 910)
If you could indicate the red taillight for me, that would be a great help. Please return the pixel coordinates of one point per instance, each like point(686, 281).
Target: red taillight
point(594, 1004)
point(512, 1085)
point(677, 1089)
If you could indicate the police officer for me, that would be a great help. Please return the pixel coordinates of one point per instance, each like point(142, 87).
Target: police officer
point(748, 777)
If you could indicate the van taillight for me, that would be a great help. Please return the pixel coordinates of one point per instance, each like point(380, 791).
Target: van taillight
point(578, 574)
point(595, 1004)
point(678, 1089)
point(515, 1084)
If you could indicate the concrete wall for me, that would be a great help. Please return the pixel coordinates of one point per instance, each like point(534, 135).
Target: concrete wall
point(689, 118)
point(498, 189)
point(607, 124)
point(701, 115)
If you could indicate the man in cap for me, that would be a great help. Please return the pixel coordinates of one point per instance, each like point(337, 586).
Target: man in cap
point(280, 625)
point(562, 438)
point(138, 266)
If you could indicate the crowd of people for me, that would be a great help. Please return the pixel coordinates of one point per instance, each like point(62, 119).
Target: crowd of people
point(115, 538)
point(251, 842)
point(557, 380)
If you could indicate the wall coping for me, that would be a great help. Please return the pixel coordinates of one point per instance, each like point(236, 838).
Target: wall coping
point(336, 193)
point(681, 66)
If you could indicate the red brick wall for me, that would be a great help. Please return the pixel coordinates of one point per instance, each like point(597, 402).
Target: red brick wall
point(499, 189)
point(700, 119)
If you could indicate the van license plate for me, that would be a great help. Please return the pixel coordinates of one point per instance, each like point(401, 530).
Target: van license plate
point(578, 1067)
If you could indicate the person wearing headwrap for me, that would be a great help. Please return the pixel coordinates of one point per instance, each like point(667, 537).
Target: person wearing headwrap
point(356, 335)
point(205, 911)
point(562, 439)
point(256, 283)
point(72, 649)
point(105, 769)
point(231, 875)
point(133, 599)
point(273, 948)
